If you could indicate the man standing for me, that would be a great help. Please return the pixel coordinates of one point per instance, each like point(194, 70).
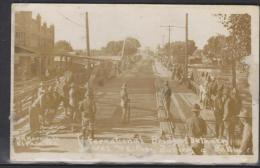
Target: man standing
point(66, 97)
point(218, 113)
point(246, 145)
point(196, 127)
point(73, 103)
point(41, 90)
point(166, 95)
point(88, 112)
point(229, 117)
point(124, 103)
point(34, 116)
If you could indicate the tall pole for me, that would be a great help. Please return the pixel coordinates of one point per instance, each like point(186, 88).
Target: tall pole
point(169, 41)
point(186, 46)
point(87, 36)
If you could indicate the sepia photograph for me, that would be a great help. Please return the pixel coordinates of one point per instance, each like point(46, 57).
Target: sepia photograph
point(114, 83)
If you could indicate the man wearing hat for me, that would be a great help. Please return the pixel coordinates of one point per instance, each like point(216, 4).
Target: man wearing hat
point(246, 142)
point(124, 103)
point(229, 116)
point(196, 127)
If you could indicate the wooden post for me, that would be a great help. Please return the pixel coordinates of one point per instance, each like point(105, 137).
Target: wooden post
point(87, 36)
point(186, 47)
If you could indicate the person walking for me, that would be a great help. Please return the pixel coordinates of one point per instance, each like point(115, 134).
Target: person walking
point(196, 127)
point(246, 145)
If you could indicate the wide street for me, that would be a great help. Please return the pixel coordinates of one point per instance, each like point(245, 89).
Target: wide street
point(144, 121)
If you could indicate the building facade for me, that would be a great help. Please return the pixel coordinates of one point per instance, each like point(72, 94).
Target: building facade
point(32, 33)
point(34, 44)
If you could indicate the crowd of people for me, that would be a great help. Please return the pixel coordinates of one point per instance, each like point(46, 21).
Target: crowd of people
point(77, 102)
point(223, 101)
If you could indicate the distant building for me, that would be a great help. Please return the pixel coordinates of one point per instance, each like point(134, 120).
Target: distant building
point(34, 44)
point(32, 33)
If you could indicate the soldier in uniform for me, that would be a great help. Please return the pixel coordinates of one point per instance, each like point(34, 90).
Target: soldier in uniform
point(34, 116)
point(218, 113)
point(229, 117)
point(124, 103)
point(166, 95)
point(246, 142)
point(73, 103)
point(66, 97)
point(41, 90)
point(196, 127)
point(88, 111)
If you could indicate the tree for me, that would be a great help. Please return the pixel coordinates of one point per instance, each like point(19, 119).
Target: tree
point(178, 49)
point(239, 41)
point(63, 45)
point(115, 47)
point(131, 46)
point(214, 47)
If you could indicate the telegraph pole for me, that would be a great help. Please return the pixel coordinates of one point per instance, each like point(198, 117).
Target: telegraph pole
point(169, 39)
point(186, 46)
point(87, 36)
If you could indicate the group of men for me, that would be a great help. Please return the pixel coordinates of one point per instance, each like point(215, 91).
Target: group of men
point(196, 127)
point(224, 102)
point(79, 109)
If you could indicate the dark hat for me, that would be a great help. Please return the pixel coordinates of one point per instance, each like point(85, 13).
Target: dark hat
point(195, 108)
point(244, 114)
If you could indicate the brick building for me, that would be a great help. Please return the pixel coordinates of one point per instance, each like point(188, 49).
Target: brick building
point(34, 43)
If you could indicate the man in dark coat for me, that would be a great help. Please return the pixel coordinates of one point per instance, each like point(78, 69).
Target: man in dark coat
point(196, 127)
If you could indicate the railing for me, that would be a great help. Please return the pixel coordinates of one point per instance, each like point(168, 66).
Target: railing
point(23, 100)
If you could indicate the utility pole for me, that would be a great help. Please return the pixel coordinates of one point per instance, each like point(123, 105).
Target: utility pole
point(87, 36)
point(186, 46)
point(169, 40)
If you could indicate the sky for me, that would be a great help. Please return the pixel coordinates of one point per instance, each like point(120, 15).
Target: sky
point(116, 22)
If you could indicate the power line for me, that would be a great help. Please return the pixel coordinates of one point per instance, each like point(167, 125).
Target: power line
point(70, 20)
